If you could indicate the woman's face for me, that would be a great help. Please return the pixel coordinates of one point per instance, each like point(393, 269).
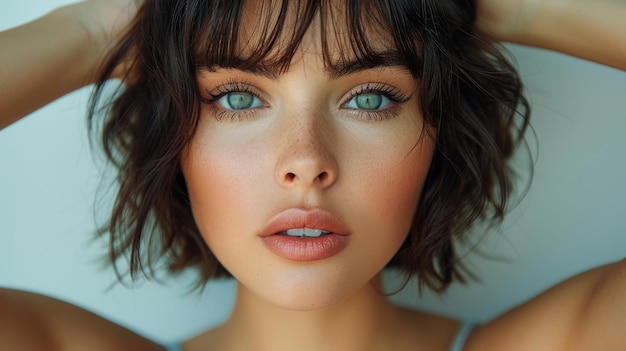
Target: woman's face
point(345, 154)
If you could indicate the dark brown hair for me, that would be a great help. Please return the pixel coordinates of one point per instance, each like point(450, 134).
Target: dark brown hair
point(470, 93)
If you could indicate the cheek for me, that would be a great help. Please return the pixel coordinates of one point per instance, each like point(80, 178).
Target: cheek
point(386, 192)
point(220, 183)
point(394, 192)
point(390, 178)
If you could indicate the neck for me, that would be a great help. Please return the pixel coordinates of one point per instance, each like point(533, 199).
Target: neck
point(362, 322)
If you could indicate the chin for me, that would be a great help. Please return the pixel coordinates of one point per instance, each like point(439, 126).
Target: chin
point(300, 300)
point(310, 288)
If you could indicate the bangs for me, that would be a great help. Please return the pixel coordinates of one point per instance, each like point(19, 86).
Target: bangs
point(265, 36)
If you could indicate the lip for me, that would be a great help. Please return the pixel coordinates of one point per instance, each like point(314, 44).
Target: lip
point(305, 249)
point(292, 218)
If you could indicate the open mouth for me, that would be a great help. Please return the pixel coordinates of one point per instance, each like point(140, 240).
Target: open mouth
point(298, 234)
point(304, 232)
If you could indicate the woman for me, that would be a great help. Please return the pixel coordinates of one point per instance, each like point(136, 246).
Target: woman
point(392, 103)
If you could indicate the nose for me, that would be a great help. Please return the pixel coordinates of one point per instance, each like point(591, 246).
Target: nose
point(306, 157)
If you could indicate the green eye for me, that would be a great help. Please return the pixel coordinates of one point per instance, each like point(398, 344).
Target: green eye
point(368, 101)
point(239, 100)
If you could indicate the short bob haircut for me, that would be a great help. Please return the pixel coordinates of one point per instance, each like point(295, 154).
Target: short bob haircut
point(470, 94)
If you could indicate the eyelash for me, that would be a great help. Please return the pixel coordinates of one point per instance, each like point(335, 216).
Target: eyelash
point(395, 96)
point(225, 89)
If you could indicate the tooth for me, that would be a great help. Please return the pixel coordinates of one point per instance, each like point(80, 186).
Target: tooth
point(305, 232)
point(313, 232)
point(296, 232)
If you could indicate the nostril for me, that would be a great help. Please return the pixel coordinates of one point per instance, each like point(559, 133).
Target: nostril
point(323, 176)
point(290, 176)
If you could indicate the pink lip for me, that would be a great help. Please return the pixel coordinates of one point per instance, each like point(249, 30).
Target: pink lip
point(305, 249)
point(299, 218)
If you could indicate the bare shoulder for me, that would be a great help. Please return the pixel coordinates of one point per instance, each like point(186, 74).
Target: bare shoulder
point(31, 321)
point(585, 312)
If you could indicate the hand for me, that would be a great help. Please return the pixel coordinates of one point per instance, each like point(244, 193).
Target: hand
point(106, 21)
point(502, 19)
point(588, 29)
point(74, 40)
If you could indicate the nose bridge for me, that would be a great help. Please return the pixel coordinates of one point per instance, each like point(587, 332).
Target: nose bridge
point(305, 157)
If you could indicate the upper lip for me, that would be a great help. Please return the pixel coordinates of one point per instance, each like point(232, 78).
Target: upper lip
point(292, 218)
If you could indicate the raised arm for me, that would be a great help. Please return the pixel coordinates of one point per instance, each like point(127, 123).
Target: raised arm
point(586, 312)
point(56, 54)
point(590, 29)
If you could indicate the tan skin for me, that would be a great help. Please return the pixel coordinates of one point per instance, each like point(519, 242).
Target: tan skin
point(592, 30)
point(76, 36)
point(585, 312)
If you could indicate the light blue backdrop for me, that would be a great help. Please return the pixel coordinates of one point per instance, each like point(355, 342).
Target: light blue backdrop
point(573, 217)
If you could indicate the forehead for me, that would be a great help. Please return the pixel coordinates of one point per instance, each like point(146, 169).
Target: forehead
point(273, 33)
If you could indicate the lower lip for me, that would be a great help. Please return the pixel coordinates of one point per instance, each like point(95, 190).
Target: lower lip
point(305, 249)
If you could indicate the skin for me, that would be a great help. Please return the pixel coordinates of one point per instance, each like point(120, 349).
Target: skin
point(306, 147)
point(584, 313)
point(305, 131)
point(73, 39)
point(588, 29)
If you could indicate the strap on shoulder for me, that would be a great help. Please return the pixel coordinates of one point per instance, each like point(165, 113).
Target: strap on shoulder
point(461, 336)
point(173, 347)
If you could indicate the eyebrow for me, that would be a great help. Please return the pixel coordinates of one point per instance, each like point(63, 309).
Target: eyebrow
point(375, 60)
point(334, 69)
